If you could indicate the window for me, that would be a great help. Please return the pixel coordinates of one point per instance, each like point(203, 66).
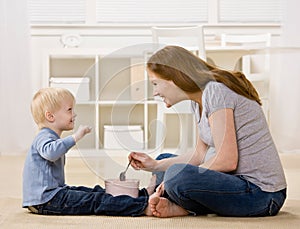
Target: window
point(250, 11)
point(152, 11)
point(57, 11)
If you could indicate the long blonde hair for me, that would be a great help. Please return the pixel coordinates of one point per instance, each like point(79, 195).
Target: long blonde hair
point(191, 74)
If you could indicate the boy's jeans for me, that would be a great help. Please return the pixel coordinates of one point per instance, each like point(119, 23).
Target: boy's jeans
point(202, 191)
point(87, 201)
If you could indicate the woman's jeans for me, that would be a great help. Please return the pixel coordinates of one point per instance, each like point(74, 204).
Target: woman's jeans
point(203, 191)
point(88, 201)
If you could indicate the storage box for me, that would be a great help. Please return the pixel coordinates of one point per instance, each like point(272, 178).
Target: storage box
point(123, 137)
point(79, 86)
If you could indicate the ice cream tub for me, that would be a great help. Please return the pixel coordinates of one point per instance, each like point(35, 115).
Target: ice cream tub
point(128, 187)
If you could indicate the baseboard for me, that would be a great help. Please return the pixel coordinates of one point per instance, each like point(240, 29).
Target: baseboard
point(294, 151)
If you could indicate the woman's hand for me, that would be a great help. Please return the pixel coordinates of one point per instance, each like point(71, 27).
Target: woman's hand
point(142, 161)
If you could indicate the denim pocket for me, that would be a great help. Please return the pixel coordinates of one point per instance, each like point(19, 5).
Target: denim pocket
point(273, 208)
point(277, 203)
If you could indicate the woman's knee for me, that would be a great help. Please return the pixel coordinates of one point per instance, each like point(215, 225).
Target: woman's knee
point(175, 175)
point(180, 175)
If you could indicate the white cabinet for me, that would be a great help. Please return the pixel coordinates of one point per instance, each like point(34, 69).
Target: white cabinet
point(119, 93)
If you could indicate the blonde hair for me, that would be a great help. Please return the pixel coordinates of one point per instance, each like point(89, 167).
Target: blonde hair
point(191, 74)
point(48, 99)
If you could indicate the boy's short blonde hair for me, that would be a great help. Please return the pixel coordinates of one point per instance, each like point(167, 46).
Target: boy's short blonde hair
point(48, 99)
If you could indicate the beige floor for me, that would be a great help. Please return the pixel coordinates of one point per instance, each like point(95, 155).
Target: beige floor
point(80, 172)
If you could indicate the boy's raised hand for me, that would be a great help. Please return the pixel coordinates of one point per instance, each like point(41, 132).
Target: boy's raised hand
point(81, 132)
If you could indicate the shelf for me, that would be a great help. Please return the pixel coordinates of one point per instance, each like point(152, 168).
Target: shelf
point(119, 94)
point(113, 102)
point(126, 102)
point(114, 99)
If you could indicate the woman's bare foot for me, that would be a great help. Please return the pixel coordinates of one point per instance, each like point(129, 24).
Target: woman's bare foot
point(162, 207)
point(151, 185)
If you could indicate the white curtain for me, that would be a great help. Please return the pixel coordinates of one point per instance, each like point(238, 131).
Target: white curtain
point(285, 83)
point(17, 129)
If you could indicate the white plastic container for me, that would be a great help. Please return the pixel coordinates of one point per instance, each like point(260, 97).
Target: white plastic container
point(79, 86)
point(123, 137)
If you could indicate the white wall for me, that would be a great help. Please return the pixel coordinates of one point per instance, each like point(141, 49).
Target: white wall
point(286, 84)
point(15, 83)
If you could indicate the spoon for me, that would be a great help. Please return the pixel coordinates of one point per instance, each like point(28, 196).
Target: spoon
point(123, 174)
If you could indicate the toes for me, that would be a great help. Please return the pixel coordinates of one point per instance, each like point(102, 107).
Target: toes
point(154, 201)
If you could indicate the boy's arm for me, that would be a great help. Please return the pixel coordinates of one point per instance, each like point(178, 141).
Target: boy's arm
point(52, 148)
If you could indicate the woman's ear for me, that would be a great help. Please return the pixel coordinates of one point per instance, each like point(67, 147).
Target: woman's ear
point(49, 116)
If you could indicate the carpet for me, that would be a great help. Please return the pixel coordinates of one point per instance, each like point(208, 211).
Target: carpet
point(13, 216)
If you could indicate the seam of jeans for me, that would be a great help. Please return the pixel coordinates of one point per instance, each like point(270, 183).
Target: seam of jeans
point(216, 192)
point(250, 188)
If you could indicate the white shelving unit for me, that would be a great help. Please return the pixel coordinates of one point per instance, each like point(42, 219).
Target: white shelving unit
point(119, 93)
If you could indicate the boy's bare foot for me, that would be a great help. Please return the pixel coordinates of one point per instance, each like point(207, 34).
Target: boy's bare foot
point(150, 189)
point(162, 207)
point(151, 185)
point(148, 211)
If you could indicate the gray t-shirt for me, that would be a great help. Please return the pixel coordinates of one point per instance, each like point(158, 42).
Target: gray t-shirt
point(259, 161)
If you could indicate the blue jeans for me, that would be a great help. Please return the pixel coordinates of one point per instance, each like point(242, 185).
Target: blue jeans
point(93, 201)
point(203, 191)
point(160, 175)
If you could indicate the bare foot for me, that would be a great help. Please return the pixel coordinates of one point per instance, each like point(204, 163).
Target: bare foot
point(150, 189)
point(151, 185)
point(162, 207)
point(148, 211)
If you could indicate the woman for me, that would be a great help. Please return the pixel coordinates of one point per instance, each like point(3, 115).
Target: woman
point(245, 176)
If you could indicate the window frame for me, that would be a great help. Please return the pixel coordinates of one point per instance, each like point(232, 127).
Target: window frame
point(212, 18)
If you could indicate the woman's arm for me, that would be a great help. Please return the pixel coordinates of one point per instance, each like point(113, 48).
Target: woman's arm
point(224, 137)
point(145, 162)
